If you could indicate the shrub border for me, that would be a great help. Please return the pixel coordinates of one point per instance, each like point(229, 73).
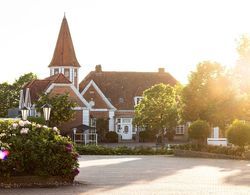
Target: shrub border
point(198, 154)
point(34, 181)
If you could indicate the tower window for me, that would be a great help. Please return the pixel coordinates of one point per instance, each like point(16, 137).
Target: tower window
point(75, 73)
point(66, 72)
point(56, 71)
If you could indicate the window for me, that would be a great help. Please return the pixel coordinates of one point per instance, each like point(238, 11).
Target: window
point(66, 72)
point(91, 102)
point(93, 122)
point(75, 72)
point(137, 99)
point(180, 130)
point(56, 71)
point(126, 120)
point(126, 129)
point(118, 128)
point(121, 100)
point(91, 92)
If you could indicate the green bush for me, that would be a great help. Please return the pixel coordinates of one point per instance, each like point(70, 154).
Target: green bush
point(239, 133)
point(147, 136)
point(102, 126)
point(199, 131)
point(122, 150)
point(111, 137)
point(234, 151)
point(38, 120)
point(36, 150)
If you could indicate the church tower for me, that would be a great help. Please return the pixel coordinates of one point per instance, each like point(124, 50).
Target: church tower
point(64, 59)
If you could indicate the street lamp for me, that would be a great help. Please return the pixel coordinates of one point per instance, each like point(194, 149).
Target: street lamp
point(24, 112)
point(46, 111)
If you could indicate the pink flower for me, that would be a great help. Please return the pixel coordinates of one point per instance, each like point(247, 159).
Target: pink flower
point(24, 130)
point(55, 129)
point(14, 125)
point(21, 123)
point(75, 171)
point(38, 126)
point(27, 123)
point(4, 154)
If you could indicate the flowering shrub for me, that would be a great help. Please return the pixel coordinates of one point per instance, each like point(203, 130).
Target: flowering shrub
point(34, 149)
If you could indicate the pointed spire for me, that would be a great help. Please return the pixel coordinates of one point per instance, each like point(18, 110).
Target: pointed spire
point(64, 54)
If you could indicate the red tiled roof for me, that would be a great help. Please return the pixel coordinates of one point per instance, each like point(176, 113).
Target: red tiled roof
point(64, 54)
point(37, 87)
point(58, 78)
point(121, 87)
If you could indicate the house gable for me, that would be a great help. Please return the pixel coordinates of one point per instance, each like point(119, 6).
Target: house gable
point(121, 88)
point(74, 94)
point(95, 96)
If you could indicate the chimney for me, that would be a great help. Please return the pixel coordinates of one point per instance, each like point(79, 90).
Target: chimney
point(98, 68)
point(161, 70)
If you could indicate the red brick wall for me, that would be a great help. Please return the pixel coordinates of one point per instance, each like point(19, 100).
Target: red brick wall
point(99, 114)
point(67, 89)
point(121, 114)
point(66, 128)
point(91, 93)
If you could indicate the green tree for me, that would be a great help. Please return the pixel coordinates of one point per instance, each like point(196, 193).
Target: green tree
point(102, 126)
point(61, 110)
point(199, 131)
point(210, 95)
point(5, 98)
point(10, 93)
point(239, 133)
point(18, 85)
point(158, 110)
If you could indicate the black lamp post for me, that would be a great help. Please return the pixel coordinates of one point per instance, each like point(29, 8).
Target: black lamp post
point(46, 112)
point(24, 112)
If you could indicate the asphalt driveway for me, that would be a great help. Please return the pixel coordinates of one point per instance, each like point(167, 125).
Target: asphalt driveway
point(153, 175)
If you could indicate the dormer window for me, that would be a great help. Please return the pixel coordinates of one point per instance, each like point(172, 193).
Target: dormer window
point(121, 100)
point(137, 99)
point(66, 72)
point(56, 71)
point(75, 73)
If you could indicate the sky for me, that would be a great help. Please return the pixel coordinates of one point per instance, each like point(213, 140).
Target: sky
point(121, 35)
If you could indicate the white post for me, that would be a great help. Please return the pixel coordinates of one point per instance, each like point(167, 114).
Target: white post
point(216, 132)
point(85, 117)
point(111, 120)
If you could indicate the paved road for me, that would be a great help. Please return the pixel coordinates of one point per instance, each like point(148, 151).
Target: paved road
point(153, 175)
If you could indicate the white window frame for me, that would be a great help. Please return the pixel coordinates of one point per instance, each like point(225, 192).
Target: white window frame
point(119, 121)
point(180, 130)
point(137, 99)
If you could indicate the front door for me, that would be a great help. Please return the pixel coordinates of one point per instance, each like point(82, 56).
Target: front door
point(126, 132)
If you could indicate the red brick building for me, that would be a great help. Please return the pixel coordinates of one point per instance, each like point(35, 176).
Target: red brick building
point(101, 94)
point(63, 78)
